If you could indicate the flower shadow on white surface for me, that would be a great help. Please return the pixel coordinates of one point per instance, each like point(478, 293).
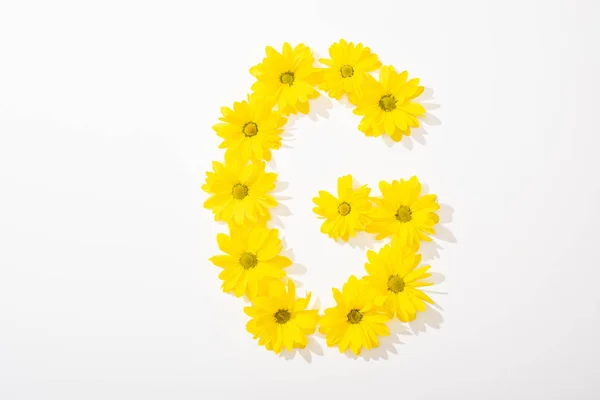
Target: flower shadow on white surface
point(286, 143)
point(319, 107)
point(312, 347)
point(362, 240)
point(430, 250)
point(295, 270)
point(387, 344)
point(287, 138)
point(431, 317)
point(280, 186)
point(345, 101)
point(280, 210)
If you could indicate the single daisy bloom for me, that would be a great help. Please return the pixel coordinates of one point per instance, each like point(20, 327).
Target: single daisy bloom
point(287, 79)
point(393, 273)
point(280, 319)
point(402, 213)
point(346, 214)
point(357, 319)
point(251, 255)
point(387, 105)
point(240, 192)
point(347, 68)
point(250, 130)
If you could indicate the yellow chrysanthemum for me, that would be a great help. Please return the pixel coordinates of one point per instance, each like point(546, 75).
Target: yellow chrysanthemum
point(252, 254)
point(357, 319)
point(393, 273)
point(287, 79)
point(347, 68)
point(280, 319)
point(387, 105)
point(345, 214)
point(239, 192)
point(250, 130)
point(403, 213)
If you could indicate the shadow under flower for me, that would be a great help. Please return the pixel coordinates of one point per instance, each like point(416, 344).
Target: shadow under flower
point(320, 107)
point(281, 210)
point(387, 344)
point(312, 347)
point(430, 250)
point(291, 122)
point(344, 100)
point(419, 134)
point(294, 270)
point(431, 317)
point(362, 240)
point(436, 278)
point(287, 136)
point(280, 186)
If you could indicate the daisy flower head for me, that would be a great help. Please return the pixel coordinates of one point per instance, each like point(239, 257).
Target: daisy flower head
point(346, 214)
point(387, 105)
point(239, 192)
point(394, 274)
point(280, 319)
point(287, 79)
point(347, 68)
point(250, 130)
point(251, 255)
point(402, 213)
point(358, 318)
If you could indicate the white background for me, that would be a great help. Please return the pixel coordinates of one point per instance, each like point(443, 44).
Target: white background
point(106, 111)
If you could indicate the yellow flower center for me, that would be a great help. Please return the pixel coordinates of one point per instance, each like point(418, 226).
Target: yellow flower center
point(287, 78)
point(344, 209)
point(239, 191)
point(248, 260)
point(395, 284)
point(250, 129)
point(354, 316)
point(347, 71)
point(282, 316)
point(387, 103)
point(404, 214)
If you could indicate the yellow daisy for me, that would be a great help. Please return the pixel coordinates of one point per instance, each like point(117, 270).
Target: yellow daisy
point(357, 319)
point(280, 319)
point(393, 273)
point(251, 256)
point(287, 79)
point(345, 214)
point(240, 192)
point(250, 130)
point(347, 68)
point(387, 105)
point(403, 213)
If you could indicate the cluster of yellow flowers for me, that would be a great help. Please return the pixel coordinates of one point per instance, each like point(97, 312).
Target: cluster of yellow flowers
point(240, 194)
point(390, 288)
